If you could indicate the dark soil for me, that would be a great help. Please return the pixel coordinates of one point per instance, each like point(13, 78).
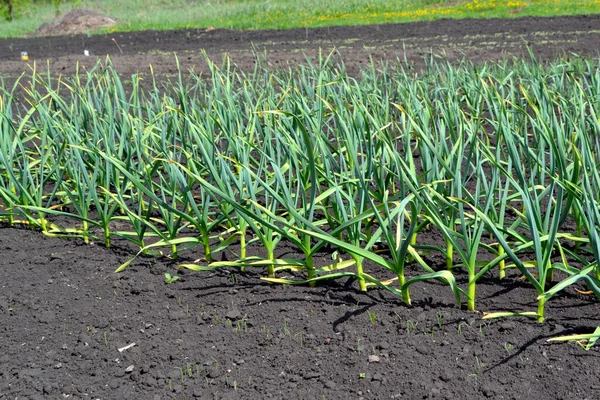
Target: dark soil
point(132, 52)
point(66, 319)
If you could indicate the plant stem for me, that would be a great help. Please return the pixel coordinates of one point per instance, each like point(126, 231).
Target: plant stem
point(501, 264)
point(471, 289)
point(310, 268)
point(449, 249)
point(359, 271)
point(206, 243)
point(43, 224)
point(242, 234)
point(86, 236)
point(404, 290)
point(270, 257)
point(106, 237)
point(540, 312)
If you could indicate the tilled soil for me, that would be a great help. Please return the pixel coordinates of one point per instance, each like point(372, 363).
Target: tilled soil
point(132, 52)
point(71, 328)
point(67, 321)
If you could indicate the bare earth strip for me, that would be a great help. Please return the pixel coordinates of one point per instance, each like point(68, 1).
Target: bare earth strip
point(477, 39)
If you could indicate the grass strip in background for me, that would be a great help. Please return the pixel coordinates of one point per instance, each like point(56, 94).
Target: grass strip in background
point(136, 15)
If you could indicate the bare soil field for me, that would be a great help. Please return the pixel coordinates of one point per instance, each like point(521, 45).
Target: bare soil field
point(479, 40)
point(71, 328)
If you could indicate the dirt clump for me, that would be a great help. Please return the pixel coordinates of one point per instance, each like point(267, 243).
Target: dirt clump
point(79, 20)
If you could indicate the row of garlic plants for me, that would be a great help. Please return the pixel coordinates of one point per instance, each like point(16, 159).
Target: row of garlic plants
point(500, 160)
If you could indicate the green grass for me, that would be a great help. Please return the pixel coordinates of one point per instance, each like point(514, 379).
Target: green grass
point(285, 14)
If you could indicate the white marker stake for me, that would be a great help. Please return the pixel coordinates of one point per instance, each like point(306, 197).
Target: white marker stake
point(122, 349)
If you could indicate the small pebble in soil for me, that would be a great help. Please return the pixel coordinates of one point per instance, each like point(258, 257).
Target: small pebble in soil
point(507, 326)
point(176, 315)
point(213, 373)
point(47, 317)
point(373, 358)
point(311, 375)
point(487, 390)
point(150, 381)
point(233, 314)
point(177, 388)
point(445, 377)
